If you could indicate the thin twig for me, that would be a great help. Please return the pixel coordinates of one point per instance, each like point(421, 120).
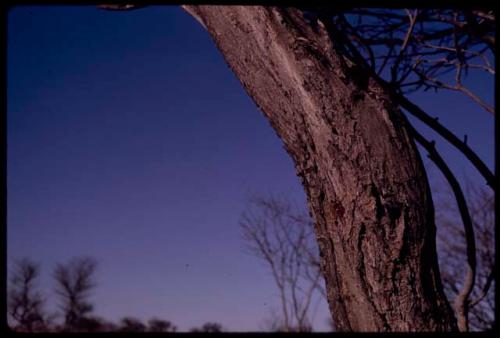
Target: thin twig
point(413, 20)
point(476, 99)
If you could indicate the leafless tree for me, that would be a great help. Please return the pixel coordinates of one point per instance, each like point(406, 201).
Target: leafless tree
point(74, 282)
point(451, 246)
point(283, 238)
point(25, 303)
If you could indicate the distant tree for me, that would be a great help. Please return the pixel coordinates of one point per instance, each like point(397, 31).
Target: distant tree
point(452, 248)
point(130, 324)
point(159, 325)
point(208, 327)
point(25, 304)
point(283, 237)
point(74, 282)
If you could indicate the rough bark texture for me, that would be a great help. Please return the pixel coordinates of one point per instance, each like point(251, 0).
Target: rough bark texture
point(366, 186)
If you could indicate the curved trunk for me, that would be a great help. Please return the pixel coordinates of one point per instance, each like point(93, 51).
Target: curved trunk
point(365, 183)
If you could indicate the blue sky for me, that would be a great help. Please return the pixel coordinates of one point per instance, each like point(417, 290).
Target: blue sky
point(130, 140)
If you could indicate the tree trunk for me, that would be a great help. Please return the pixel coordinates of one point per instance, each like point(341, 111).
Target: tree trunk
point(366, 187)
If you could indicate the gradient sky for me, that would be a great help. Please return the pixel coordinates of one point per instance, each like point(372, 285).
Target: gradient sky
point(130, 140)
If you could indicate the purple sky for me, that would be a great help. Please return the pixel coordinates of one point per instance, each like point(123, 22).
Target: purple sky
point(130, 140)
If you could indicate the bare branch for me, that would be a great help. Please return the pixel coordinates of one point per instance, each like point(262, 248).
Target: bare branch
point(404, 45)
point(461, 301)
point(475, 98)
point(433, 123)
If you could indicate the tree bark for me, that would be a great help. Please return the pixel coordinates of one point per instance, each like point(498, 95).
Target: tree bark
point(366, 187)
